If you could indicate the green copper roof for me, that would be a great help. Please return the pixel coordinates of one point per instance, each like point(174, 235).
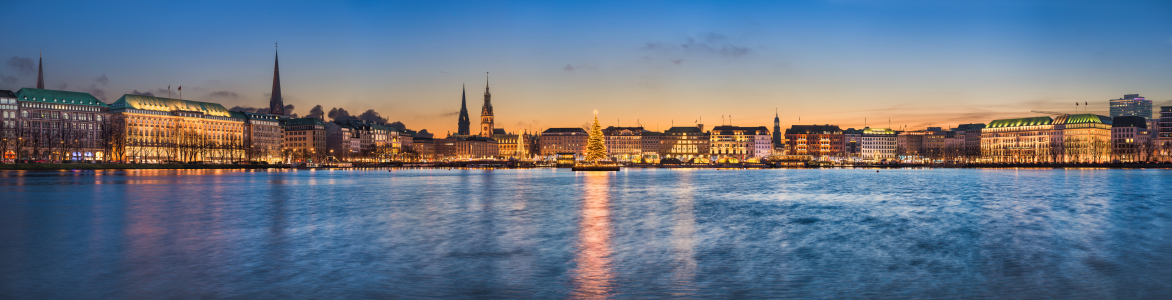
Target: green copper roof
point(129, 101)
point(1087, 118)
point(1021, 122)
point(58, 97)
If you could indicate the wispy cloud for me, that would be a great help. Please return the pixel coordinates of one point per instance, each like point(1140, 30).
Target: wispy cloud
point(572, 68)
point(103, 79)
point(710, 44)
point(223, 94)
point(24, 66)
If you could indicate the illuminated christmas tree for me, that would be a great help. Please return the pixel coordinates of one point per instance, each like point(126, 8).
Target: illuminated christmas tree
point(595, 148)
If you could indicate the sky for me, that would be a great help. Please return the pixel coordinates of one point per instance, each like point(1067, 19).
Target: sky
point(853, 63)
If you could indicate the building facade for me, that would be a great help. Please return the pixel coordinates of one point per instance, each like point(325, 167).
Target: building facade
point(305, 140)
point(1131, 139)
point(263, 136)
point(156, 130)
point(685, 143)
point(740, 143)
point(821, 141)
point(486, 116)
point(467, 148)
point(562, 140)
point(623, 143)
point(1131, 105)
point(1066, 139)
point(877, 144)
point(54, 125)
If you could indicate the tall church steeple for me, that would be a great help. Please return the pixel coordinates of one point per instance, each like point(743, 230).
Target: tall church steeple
point(486, 117)
point(40, 73)
point(776, 130)
point(464, 123)
point(276, 102)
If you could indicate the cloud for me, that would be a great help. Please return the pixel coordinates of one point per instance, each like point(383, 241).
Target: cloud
point(96, 91)
point(63, 86)
point(223, 94)
point(24, 66)
point(245, 108)
point(571, 68)
point(371, 116)
point(449, 114)
point(709, 44)
point(677, 61)
point(103, 80)
point(317, 112)
point(9, 79)
point(148, 94)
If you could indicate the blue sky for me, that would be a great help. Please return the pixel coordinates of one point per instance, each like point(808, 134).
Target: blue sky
point(552, 63)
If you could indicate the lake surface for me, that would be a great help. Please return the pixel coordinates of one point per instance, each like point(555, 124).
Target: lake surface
point(543, 233)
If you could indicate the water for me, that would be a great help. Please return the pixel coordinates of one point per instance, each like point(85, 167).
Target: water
point(922, 233)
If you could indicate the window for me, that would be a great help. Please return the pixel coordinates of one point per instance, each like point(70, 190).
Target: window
point(24, 114)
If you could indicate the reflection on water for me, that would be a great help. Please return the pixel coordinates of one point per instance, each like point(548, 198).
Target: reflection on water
point(593, 277)
point(290, 234)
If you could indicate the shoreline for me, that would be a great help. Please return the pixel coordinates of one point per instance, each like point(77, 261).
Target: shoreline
point(89, 166)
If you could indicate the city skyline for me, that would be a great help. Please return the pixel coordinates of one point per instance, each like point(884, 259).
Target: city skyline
point(733, 61)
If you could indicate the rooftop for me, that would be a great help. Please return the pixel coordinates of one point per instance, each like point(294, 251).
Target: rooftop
point(564, 130)
point(1129, 121)
point(130, 101)
point(58, 97)
point(813, 129)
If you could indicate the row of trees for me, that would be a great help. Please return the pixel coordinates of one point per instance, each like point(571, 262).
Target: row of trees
point(56, 141)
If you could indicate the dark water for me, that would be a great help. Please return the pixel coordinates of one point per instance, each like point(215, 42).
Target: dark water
point(557, 234)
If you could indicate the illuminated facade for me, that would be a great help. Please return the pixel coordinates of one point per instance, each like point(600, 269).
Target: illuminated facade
point(1131, 105)
point(727, 143)
point(623, 143)
point(1066, 138)
point(815, 140)
point(651, 145)
point(467, 148)
point(263, 136)
point(511, 145)
point(1130, 139)
point(40, 124)
point(877, 144)
point(305, 140)
point(563, 140)
point(685, 143)
point(155, 129)
point(486, 115)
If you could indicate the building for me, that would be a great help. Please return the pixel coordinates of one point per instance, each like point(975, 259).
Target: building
point(852, 143)
point(276, 102)
point(740, 143)
point(156, 129)
point(562, 140)
point(877, 144)
point(424, 147)
point(486, 116)
point(8, 121)
point(1131, 105)
point(466, 148)
point(623, 143)
point(263, 136)
point(922, 144)
point(463, 123)
point(820, 141)
point(1066, 138)
point(966, 140)
point(778, 137)
point(1164, 136)
point(55, 125)
point(685, 143)
point(342, 142)
point(1130, 139)
point(511, 145)
point(651, 145)
point(305, 140)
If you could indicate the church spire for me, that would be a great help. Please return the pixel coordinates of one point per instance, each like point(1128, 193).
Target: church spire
point(276, 102)
point(462, 126)
point(486, 116)
point(40, 72)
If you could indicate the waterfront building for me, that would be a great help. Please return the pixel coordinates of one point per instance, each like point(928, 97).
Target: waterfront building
point(966, 140)
point(685, 143)
point(852, 143)
point(467, 148)
point(511, 145)
point(877, 144)
point(305, 140)
point(650, 140)
point(564, 140)
point(778, 136)
point(623, 143)
point(1065, 138)
point(1131, 105)
point(921, 144)
point(276, 102)
point(820, 141)
point(342, 142)
point(55, 125)
point(486, 115)
point(1164, 136)
point(1130, 139)
point(156, 129)
point(740, 143)
point(263, 136)
point(8, 121)
point(463, 123)
point(424, 147)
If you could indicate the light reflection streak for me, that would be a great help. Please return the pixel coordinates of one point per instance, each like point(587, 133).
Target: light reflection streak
point(593, 278)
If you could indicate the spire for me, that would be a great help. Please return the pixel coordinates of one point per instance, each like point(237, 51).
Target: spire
point(40, 72)
point(276, 102)
point(463, 123)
